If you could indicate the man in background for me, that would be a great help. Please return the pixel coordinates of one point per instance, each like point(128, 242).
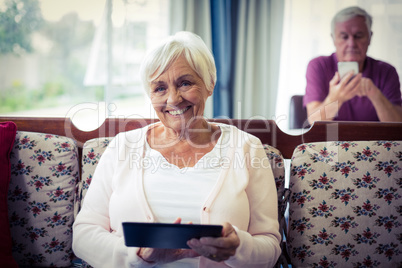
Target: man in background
point(372, 94)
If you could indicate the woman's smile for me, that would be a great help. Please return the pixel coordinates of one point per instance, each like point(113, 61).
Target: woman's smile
point(178, 112)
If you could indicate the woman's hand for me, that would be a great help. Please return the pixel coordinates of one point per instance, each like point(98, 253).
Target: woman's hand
point(217, 249)
point(158, 255)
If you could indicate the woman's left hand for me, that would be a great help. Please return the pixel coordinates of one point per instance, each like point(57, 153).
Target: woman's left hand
point(160, 255)
point(217, 249)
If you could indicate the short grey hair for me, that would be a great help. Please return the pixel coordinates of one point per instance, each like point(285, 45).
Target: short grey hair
point(188, 44)
point(349, 13)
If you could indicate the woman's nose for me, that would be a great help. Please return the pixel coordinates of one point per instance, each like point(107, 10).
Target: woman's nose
point(174, 96)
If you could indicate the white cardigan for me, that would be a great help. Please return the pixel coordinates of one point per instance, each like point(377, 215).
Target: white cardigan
point(244, 196)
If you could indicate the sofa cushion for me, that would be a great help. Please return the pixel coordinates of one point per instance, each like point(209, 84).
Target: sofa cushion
point(44, 175)
point(7, 135)
point(91, 153)
point(278, 169)
point(345, 207)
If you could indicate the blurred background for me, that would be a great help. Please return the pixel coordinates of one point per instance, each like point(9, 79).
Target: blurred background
point(81, 58)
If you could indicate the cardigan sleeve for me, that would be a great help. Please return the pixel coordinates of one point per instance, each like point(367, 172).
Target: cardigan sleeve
point(93, 239)
point(260, 244)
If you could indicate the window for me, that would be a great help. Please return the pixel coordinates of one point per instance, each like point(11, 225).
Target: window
point(77, 58)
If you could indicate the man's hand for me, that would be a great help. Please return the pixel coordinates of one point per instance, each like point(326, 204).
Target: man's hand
point(340, 91)
point(368, 89)
point(386, 111)
point(344, 89)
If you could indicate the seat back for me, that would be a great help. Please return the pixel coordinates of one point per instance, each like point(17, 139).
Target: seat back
point(44, 177)
point(278, 169)
point(91, 153)
point(297, 113)
point(345, 206)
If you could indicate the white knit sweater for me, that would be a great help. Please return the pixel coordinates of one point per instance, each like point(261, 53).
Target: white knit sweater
point(245, 196)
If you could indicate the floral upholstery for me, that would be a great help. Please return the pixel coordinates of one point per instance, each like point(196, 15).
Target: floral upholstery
point(91, 153)
point(345, 207)
point(44, 177)
point(278, 168)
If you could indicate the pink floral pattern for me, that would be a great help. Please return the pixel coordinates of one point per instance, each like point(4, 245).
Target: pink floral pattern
point(323, 156)
point(302, 170)
point(322, 183)
point(91, 153)
point(345, 207)
point(44, 175)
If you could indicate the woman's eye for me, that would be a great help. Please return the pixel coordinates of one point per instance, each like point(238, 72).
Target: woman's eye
point(159, 89)
point(185, 84)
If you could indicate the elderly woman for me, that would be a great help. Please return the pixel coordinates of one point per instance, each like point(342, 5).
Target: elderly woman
point(181, 169)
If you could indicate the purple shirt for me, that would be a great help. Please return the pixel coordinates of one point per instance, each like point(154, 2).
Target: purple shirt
point(322, 69)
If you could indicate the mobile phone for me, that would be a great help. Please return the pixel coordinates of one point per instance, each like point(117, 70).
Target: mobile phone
point(346, 66)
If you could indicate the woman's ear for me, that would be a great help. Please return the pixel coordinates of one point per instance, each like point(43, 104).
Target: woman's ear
point(212, 89)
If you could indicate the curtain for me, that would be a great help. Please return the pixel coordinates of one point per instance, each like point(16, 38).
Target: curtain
point(256, 66)
point(193, 16)
point(222, 45)
point(245, 37)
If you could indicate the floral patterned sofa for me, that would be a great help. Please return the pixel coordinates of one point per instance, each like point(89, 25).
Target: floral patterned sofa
point(344, 206)
point(42, 194)
point(46, 191)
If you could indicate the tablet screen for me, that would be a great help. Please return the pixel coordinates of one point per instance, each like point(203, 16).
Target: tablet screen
point(166, 235)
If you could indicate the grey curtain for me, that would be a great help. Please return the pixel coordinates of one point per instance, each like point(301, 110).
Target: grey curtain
point(252, 70)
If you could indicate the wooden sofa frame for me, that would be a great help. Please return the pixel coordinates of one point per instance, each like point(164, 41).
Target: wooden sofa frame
point(266, 130)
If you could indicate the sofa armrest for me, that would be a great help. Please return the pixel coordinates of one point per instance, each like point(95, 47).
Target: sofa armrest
point(42, 191)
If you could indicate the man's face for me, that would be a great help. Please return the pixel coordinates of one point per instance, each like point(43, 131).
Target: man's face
point(351, 40)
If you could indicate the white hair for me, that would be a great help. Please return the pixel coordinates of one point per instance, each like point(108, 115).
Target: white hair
point(188, 44)
point(349, 13)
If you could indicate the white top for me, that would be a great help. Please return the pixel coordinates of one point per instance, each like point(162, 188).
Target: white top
point(172, 192)
point(244, 195)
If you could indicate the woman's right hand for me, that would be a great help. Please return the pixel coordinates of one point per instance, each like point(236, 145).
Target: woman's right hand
point(160, 255)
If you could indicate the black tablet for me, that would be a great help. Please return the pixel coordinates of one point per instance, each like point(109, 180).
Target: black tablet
point(166, 235)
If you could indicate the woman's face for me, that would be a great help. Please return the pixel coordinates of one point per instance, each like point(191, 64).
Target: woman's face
point(178, 96)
